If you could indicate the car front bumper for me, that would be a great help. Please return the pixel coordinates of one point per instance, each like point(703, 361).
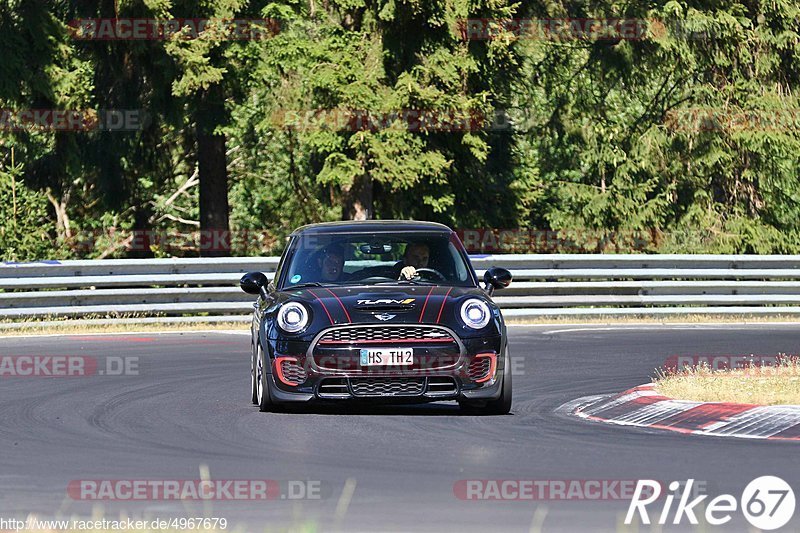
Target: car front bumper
point(304, 381)
point(348, 390)
point(387, 387)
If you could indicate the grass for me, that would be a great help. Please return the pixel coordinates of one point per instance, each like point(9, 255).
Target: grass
point(698, 318)
point(762, 385)
point(149, 323)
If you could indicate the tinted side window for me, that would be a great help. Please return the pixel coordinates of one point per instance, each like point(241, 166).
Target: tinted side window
point(281, 264)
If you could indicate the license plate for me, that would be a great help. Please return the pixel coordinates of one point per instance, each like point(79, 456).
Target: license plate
point(387, 357)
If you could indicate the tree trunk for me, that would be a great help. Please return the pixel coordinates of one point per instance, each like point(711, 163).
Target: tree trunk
point(357, 203)
point(215, 239)
point(144, 239)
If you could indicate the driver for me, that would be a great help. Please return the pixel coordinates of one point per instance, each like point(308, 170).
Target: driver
point(416, 256)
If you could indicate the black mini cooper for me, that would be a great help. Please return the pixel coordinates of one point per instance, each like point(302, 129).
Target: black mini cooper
point(379, 311)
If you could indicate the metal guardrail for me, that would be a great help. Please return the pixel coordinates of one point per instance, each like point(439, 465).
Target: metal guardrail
point(544, 285)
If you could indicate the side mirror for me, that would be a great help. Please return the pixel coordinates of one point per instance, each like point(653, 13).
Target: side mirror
point(253, 283)
point(497, 278)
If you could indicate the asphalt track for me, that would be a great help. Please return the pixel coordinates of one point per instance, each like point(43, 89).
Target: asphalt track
point(189, 406)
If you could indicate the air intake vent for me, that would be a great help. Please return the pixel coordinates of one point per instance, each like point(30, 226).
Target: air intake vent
point(441, 386)
point(334, 388)
point(292, 373)
point(479, 368)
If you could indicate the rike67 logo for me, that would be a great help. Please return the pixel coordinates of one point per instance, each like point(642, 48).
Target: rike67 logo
point(767, 503)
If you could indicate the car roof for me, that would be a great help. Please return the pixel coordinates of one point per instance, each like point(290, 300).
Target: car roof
point(371, 226)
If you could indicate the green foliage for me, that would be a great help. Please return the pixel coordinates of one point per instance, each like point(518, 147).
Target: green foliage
point(690, 134)
point(652, 134)
point(26, 230)
point(327, 75)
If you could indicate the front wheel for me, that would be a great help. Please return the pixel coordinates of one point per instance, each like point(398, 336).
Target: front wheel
point(253, 376)
point(263, 397)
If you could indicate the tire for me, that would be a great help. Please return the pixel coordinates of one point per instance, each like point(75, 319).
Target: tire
point(263, 396)
point(253, 384)
point(500, 406)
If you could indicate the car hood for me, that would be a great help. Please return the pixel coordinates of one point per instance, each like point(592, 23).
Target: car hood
point(389, 304)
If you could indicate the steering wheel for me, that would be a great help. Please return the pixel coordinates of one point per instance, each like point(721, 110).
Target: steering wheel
point(438, 275)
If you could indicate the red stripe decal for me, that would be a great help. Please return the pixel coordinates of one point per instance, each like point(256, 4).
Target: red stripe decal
point(444, 301)
point(720, 412)
point(340, 303)
point(325, 307)
point(425, 304)
point(702, 416)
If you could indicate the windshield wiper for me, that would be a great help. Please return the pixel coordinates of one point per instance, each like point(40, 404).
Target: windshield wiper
point(405, 282)
point(304, 285)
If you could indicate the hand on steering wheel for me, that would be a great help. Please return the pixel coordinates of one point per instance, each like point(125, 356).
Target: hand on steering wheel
point(417, 272)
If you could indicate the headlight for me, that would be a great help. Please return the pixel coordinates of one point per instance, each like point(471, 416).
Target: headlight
point(292, 317)
point(475, 313)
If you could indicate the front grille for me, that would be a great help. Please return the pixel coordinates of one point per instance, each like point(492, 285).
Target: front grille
point(387, 386)
point(293, 373)
point(339, 388)
point(383, 334)
point(479, 368)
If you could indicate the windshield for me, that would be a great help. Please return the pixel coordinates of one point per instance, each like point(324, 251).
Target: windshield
point(381, 258)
